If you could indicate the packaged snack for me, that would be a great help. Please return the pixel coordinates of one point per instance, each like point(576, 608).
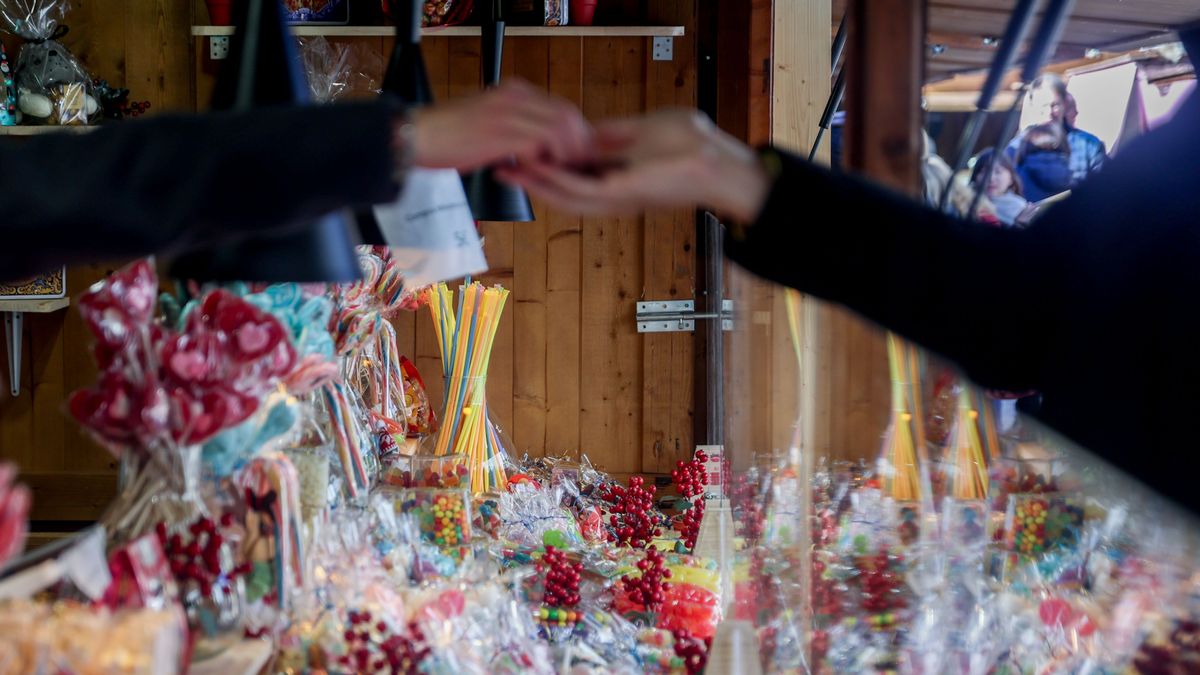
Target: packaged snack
point(52, 85)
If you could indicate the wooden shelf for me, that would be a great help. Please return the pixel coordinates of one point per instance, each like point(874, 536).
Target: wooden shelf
point(466, 31)
point(247, 657)
point(22, 130)
point(35, 306)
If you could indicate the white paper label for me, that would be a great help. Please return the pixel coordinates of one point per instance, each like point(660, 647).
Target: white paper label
point(430, 229)
point(714, 471)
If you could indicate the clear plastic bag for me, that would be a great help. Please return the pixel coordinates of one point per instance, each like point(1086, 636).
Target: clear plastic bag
point(337, 71)
point(52, 85)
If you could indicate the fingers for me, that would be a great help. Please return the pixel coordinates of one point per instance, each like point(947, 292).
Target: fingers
point(566, 191)
point(552, 125)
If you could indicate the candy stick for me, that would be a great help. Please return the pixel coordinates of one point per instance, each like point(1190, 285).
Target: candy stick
point(901, 482)
point(343, 423)
point(970, 468)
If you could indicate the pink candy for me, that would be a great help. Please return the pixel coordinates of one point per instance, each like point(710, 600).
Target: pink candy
point(180, 385)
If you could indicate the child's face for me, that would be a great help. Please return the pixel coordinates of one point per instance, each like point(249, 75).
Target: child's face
point(1000, 182)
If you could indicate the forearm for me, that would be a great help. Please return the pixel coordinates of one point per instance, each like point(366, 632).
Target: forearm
point(164, 183)
point(937, 280)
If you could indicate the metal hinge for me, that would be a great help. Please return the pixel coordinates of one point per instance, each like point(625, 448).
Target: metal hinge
point(678, 316)
point(218, 47)
point(662, 48)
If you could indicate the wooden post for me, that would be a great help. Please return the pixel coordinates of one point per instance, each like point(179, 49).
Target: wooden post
point(884, 118)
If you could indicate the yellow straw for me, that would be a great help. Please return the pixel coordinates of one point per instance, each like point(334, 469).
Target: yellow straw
point(466, 339)
point(902, 482)
point(970, 467)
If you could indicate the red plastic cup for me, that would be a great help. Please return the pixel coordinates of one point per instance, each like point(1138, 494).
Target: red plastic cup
point(582, 12)
point(220, 12)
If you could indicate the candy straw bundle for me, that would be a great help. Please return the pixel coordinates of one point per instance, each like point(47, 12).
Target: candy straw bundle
point(465, 334)
point(903, 446)
point(969, 480)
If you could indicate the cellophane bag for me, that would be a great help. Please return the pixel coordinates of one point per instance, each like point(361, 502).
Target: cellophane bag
point(53, 87)
point(338, 71)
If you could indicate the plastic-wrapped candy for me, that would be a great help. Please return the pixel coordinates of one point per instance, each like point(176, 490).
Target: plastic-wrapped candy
point(53, 87)
point(15, 499)
point(37, 637)
point(531, 516)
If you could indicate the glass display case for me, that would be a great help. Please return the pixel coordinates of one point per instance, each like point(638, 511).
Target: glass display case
point(966, 538)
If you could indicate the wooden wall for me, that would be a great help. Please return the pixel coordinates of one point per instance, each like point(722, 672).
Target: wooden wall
point(142, 45)
point(569, 372)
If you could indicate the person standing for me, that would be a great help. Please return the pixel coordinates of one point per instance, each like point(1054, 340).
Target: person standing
point(1049, 103)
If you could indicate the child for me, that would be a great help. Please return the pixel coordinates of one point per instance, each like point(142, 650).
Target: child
point(1003, 189)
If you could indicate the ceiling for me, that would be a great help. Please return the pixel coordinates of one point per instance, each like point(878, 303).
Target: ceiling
point(962, 33)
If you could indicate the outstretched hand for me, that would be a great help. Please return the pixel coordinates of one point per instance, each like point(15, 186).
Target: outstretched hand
point(513, 120)
point(668, 159)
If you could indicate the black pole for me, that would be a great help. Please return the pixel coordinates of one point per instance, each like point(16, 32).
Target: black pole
point(1049, 31)
point(839, 45)
point(1014, 34)
point(831, 106)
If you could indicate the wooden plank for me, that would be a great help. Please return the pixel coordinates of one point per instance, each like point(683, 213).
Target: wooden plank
point(80, 371)
point(34, 306)
point(611, 397)
point(883, 127)
point(17, 442)
point(885, 53)
point(97, 37)
point(498, 246)
point(564, 235)
point(669, 272)
point(800, 86)
point(531, 62)
point(426, 353)
point(468, 31)
point(70, 496)
point(158, 54)
point(46, 362)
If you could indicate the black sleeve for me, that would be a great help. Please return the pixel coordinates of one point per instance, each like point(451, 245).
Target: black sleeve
point(164, 183)
point(984, 297)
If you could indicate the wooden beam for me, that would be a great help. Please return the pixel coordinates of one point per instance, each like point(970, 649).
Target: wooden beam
point(884, 91)
point(1004, 12)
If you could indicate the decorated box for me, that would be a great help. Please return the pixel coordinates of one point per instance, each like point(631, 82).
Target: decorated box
point(49, 285)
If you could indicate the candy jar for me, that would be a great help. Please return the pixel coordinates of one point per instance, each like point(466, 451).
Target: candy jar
point(439, 470)
point(443, 514)
point(312, 467)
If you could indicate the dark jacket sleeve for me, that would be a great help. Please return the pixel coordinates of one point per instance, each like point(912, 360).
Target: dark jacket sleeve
point(1093, 305)
point(936, 279)
point(166, 183)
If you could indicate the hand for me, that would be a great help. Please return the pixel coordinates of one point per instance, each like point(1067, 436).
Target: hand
point(513, 120)
point(668, 159)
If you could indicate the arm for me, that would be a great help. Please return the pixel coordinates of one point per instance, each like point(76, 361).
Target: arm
point(984, 297)
point(1099, 154)
point(170, 183)
point(154, 185)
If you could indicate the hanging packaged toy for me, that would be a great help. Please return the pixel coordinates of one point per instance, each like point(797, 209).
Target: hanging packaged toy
point(52, 85)
point(8, 110)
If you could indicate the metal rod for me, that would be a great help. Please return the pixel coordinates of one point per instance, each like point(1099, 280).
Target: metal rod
point(714, 294)
point(1043, 44)
point(1014, 34)
point(831, 106)
point(839, 45)
point(684, 316)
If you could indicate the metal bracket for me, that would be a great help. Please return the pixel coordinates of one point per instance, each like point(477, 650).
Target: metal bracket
point(663, 48)
point(218, 47)
point(14, 324)
point(678, 316)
